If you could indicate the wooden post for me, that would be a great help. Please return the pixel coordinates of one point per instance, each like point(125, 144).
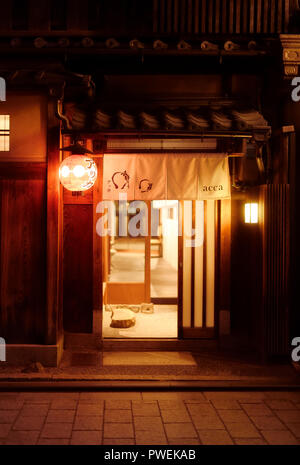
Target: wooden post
point(147, 257)
point(224, 267)
point(53, 227)
point(97, 254)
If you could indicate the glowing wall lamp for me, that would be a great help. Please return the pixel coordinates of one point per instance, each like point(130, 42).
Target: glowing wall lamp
point(251, 213)
point(78, 172)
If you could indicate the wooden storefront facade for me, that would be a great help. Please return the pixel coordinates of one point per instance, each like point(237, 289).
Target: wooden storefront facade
point(61, 65)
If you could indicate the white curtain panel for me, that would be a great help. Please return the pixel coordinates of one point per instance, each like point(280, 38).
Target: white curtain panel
point(166, 176)
point(182, 179)
point(118, 176)
point(150, 182)
point(213, 177)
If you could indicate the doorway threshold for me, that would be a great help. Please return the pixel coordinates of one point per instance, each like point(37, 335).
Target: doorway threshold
point(137, 345)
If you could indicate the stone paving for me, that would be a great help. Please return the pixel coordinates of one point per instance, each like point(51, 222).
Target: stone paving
point(150, 418)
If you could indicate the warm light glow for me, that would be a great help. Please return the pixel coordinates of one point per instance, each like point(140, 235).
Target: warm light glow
point(78, 173)
point(4, 133)
point(251, 213)
point(65, 171)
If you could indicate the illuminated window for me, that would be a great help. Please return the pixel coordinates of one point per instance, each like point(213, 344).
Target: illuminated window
point(4, 133)
point(251, 213)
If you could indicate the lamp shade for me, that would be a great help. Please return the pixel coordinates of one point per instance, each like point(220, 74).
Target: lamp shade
point(78, 173)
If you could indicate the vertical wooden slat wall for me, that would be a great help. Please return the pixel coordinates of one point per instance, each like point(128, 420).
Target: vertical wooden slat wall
point(275, 239)
point(22, 253)
point(226, 16)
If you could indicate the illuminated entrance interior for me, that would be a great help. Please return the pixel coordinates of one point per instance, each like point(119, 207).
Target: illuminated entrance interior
point(163, 281)
point(143, 270)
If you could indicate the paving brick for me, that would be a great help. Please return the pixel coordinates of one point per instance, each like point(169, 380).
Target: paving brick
point(280, 404)
point(148, 424)
point(175, 416)
point(283, 395)
point(60, 416)
point(289, 416)
point(180, 430)
point(90, 409)
point(118, 404)
point(20, 438)
point(32, 410)
point(196, 401)
point(250, 442)
point(184, 442)
point(208, 422)
point(145, 409)
point(85, 423)
point(118, 430)
point(172, 404)
point(29, 423)
point(280, 438)
point(11, 404)
point(258, 410)
point(8, 416)
point(4, 429)
point(150, 438)
point(118, 416)
point(118, 442)
point(217, 437)
point(56, 430)
point(242, 430)
point(226, 404)
point(89, 438)
point(233, 416)
point(67, 404)
point(201, 409)
point(53, 442)
point(295, 428)
point(246, 396)
point(268, 423)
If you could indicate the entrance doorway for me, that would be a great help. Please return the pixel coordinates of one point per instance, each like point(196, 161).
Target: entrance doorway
point(141, 274)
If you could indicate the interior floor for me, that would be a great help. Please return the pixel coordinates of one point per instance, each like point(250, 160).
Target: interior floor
point(160, 324)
